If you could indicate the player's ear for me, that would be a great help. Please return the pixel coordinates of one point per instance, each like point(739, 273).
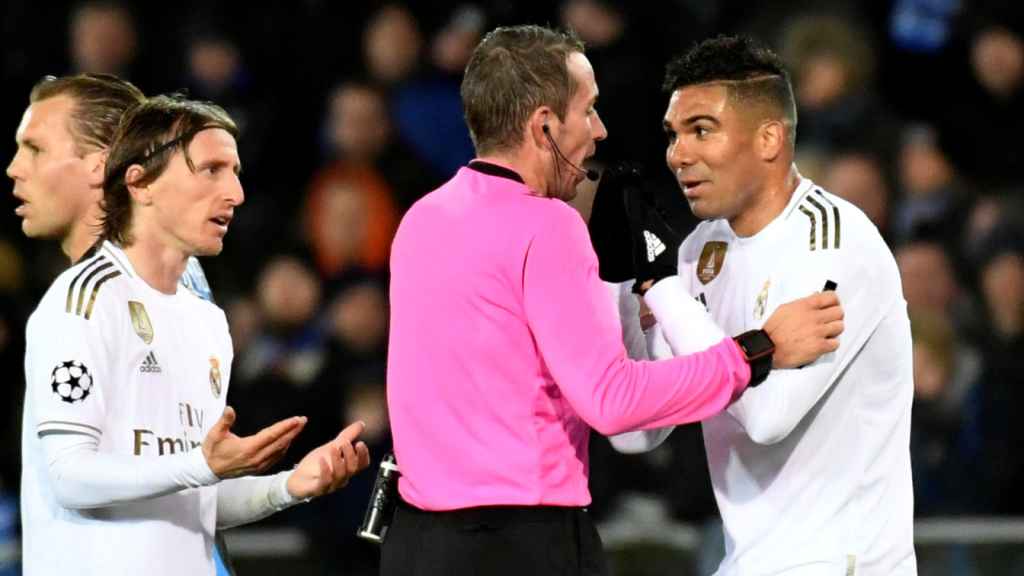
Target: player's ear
point(96, 164)
point(141, 194)
point(770, 140)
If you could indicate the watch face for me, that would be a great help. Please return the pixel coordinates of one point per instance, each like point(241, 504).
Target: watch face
point(756, 343)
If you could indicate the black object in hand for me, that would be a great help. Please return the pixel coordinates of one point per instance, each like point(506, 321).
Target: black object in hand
point(609, 227)
point(655, 241)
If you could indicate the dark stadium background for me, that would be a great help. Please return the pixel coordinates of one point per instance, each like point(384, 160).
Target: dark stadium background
point(912, 109)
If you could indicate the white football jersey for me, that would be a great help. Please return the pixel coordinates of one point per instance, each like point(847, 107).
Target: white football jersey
point(145, 374)
point(811, 469)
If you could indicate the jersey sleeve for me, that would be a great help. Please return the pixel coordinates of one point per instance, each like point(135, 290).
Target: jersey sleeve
point(683, 328)
point(580, 339)
point(868, 287)
point(629, 316)
point(83, 477)
point(67, 369)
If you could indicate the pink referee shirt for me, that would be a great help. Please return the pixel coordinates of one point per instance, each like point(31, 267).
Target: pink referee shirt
point(505, 350)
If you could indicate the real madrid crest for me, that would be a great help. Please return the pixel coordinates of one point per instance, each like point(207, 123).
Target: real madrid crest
point(712, 257)
point(215, 376)
point(762, 300)
point(140, 321)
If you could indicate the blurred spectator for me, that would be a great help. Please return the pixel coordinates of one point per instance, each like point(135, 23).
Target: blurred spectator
point(1002, 282)
point(290, 345)
point(453, 44)
point(392, 43)
point(361, 135)
point(990, 212)
point(333, 520)
point(360, 127)
point(358, 320)
point(244, 322)
point(932, 288)
point(631, 103)
point(276, 374)
point(997, 58)
point(929, 284)
point(425, 103)
point(945, 370)
point(1001, 391)
point(920, 51)
point(933, 195)
point(103, 38)
point(350, 220)
point(833, 64)
point(859, 177)
point(992, 98)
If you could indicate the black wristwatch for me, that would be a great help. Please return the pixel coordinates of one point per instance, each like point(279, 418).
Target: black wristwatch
point(758, 349)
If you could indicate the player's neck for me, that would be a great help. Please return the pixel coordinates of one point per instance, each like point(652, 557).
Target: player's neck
point(158, 263)
point(81, 237)
point(766, 204)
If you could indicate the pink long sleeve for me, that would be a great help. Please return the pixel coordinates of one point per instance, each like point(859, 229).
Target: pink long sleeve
point(578, 335)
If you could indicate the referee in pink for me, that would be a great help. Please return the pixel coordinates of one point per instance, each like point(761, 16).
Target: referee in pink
point(505, 346)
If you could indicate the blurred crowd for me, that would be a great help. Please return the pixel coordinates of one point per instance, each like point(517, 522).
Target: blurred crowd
point(350, 112)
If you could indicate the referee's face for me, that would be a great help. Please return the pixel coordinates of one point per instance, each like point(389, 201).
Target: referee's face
point(711, 151)
point(577, 136)
point(192, 209)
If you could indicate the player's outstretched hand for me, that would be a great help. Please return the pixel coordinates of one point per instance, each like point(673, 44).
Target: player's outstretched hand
point(804, 329)
point(230, 456)
point(329, 467)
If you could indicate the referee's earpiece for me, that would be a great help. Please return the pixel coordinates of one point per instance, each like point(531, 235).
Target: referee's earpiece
point(591, 175)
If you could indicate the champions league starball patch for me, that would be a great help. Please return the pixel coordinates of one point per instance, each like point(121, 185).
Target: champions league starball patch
point(71, 381)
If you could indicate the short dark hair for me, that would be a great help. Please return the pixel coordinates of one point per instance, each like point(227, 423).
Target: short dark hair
point(513, 71)
point(100, 100)
point(149, 135)
point(752, 74)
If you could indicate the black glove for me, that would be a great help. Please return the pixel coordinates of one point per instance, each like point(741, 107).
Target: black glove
point(655, 241)
point(610, 232)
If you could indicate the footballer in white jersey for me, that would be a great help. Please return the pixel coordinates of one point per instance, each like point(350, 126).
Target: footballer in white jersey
point(811, 468)
point(143, 374)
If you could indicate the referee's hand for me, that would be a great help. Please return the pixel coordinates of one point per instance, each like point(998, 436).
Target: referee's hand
point(229, 455)
point(804, 329)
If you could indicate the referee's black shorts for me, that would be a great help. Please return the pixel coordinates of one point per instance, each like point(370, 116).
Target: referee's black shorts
point(527, 540)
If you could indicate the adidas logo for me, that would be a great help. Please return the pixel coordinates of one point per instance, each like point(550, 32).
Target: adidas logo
point(150, 365)
point(654, 246)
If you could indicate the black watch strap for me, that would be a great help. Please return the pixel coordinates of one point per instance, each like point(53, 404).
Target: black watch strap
point(758, 350)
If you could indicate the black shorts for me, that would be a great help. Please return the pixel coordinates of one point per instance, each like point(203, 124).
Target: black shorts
point(514, 540)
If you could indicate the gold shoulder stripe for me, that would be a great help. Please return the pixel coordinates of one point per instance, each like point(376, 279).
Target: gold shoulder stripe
point(814, 227)
point(96, 290)
point(71, 287)
point(117, 259)
point(835, 212)
point(81, 291)
point(824, 221)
